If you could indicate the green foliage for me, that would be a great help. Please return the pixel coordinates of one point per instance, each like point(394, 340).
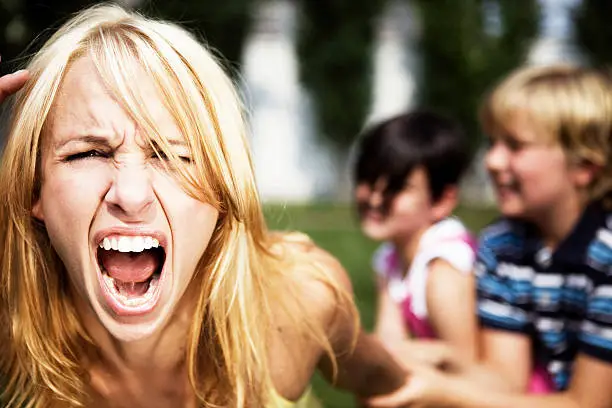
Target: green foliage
point(465, 47)
point(462, 55)
point(594, 31)
point(335, 47)
point(224, 25)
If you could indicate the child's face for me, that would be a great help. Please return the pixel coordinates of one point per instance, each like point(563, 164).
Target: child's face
point(530, 174)
point(409, 213)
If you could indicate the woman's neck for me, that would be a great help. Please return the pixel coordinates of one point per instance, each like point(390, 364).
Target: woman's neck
point(162, 351)
point(149, 372)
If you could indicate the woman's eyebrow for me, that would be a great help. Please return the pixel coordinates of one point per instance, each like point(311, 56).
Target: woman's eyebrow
point(85, 139)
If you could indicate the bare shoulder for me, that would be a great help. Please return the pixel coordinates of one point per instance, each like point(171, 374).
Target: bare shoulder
point(320, 284)
point(317, 296)
point(444, 281)
point(442, 270)
point(315, 267)
point(332, 267)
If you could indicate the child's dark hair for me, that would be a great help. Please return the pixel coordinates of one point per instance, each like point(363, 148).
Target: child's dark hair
point(391, 150)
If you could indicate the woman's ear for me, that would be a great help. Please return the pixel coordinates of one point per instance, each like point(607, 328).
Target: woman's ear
point(37, 210)
point(445, 205)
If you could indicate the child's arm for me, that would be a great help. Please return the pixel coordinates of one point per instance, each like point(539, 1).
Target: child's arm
point(514, 367)
point(451, 305)
point(389, 327)
point(504, 313)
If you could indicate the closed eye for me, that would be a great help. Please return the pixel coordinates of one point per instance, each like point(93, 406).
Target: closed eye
point(163, 156)
point(89, 154)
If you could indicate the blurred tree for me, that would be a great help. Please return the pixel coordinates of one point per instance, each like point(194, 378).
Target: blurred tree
point(594, 31)
point(224, 25)
point(6, 16)
point(335, 47)
point(465, 47)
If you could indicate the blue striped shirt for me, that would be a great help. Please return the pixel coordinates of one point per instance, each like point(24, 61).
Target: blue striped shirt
point(561, 300)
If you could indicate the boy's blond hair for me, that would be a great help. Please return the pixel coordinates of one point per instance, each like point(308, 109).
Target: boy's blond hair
point(570, 105)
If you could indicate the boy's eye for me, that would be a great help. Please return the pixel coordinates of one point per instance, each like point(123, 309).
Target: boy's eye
point(514, 145)
point(510, 141)
point(89, 154)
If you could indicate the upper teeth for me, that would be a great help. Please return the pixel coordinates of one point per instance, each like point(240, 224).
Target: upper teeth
point(129, 243)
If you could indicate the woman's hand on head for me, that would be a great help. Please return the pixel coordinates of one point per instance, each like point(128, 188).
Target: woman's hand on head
point(11, 83)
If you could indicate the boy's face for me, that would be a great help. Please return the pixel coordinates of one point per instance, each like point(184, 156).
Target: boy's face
point(410, 212)
point(531, 175)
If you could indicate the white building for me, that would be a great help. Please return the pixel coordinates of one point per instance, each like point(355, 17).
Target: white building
point(290, 163)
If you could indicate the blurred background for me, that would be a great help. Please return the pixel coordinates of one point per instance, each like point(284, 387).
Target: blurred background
point(315, 72)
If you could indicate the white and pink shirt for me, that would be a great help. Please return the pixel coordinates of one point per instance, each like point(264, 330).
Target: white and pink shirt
point(448, 240)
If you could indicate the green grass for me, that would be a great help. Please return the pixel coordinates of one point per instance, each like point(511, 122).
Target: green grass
point(334, 228)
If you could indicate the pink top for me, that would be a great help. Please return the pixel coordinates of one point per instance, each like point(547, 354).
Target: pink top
point(448, 240)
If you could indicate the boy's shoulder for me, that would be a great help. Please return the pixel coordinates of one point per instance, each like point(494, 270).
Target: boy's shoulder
point(504, 235)
point(599, 237)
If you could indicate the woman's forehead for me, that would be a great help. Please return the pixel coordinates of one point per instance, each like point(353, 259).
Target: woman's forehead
point(85, 105)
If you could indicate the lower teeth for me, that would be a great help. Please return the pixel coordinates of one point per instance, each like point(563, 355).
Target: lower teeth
point(121, 291)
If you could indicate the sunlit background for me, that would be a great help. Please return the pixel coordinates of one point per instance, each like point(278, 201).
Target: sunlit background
point(314, 73)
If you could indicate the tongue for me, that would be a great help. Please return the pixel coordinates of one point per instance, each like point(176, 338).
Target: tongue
point(129, 266)
point(132, 289)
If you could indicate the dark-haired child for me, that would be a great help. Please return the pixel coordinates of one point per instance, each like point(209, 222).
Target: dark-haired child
point(406, 174)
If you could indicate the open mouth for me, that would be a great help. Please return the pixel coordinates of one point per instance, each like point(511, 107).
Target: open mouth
point(510, 186)
point(131, 272)
point(369, 212)
point(506, 190)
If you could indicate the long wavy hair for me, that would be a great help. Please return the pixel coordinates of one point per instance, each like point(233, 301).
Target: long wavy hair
point(245, 270)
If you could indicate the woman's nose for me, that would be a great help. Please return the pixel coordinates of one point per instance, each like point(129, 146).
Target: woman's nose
point(131, 191)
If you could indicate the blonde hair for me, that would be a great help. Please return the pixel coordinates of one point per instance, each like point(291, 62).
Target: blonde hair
point(569, 105)
point(44, 348)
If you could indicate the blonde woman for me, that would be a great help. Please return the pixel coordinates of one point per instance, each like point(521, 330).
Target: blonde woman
point(136, 269)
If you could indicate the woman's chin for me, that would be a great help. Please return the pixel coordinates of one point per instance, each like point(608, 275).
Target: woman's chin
point(129, 327)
